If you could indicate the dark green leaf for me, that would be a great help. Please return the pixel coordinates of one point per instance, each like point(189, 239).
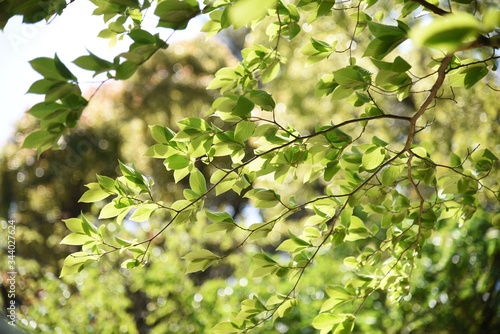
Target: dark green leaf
point(125, 70)
point(262, 99)
point(176, 14)
point(93, 63)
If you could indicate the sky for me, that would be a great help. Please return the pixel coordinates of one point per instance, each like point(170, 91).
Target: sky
point(69, 35)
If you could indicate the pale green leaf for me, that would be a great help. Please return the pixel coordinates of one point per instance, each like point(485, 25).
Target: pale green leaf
point(389, 175)
point(244, 131)
point(225, 328)
point(143, 212)
point(245, 11)
point(197, 182)
point(373, 158)
point(76, 239)
point(93, 195)
point(74, 225)
point(447, 32)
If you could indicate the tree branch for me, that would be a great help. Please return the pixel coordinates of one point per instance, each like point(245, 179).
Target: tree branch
point(433, 8)
point(483, 41)
point(441, 72)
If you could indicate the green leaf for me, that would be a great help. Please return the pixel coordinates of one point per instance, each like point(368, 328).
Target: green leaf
point(447, 32)
point(177, 161)
point(326, 321)
point(200, 260)
point(468, 76)
point(130, 264)
point(353, 77)
point(219, 217)
point(271, 72)
point(262, 99)
point(37, 139)
point(61, 90)
point(107, 184)
point(244, 131)
point(44, 110)
point(245, 11)
point(373, 158)
point(243, 107)
point(70, 270)
point(491, 19)
point(93, 195)
point(263, 198)
point(221, 226)
point(161, 134)
point(88, 228)
point(63, 70)
point(48, 69)
point(225, 328)
point(127, 3)
point(285, 307)
point(346, 326)
point(290, 246)
point(389, 175)
point(143, 212)
point(264, 271)
point(351, 262)
point(125, 70)
point(32, 11)
point(387, 38)
point(76, 239)
point(134, 176)
point(331, 169)
point(342, 92)
point(111, 210)
point(338, 296)
point(357, 230)
point(74, 225)
point(202, 254)
point(400, 65)
point(93, 63)
point(79, 258)
point(293, 244)
point(122, 242)
point(176, 14)
point(317, 50)
point(197, 182)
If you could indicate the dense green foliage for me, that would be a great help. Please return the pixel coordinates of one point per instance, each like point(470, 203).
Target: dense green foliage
point(341, 177)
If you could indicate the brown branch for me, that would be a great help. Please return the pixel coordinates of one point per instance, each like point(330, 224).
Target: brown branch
point(433, 8)
point(432, 95)
point(482, 41)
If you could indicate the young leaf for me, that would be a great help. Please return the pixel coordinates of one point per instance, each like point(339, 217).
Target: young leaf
point(74, 225)
point(200, 260)
point(225, 328)
point(76, 239)
point(245, 11)
point(143, 212)
point(161, 134)
point(244, 131)
point(197, 182)
point(93, 195)
point(373, 158)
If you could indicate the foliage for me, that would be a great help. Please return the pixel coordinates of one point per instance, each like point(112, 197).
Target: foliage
point(375, 191)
